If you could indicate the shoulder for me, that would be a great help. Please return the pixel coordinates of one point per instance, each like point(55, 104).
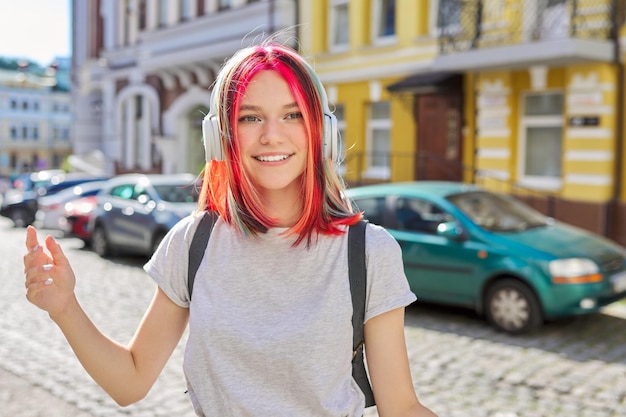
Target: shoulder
point(378, 237)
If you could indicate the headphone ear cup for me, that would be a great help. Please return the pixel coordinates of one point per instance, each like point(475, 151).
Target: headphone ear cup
point(330, 143)
point(212, 139)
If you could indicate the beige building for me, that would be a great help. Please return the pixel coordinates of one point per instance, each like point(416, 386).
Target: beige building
point(143, 71)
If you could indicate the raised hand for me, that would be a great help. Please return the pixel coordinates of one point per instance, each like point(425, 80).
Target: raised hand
point(49, 277)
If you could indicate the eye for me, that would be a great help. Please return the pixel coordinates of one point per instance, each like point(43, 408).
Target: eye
point(294, 115)
point(248, 119)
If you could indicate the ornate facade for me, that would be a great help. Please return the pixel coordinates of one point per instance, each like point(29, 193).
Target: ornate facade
point(143, 70)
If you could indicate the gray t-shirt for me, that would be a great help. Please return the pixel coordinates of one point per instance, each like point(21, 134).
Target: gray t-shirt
point(270, 331)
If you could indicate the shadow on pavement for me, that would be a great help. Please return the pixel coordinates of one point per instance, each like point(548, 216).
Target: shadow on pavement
point(599, 336)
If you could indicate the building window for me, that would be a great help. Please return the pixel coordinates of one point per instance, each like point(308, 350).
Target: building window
point(185, 10)
point(36, 106)
point(13, 132)
point(142, 16)
point(13, 104)
point(24, 132)
point(35, 132)
point(24, 105)
point(541, 140)
point(163, 13)
point(339, 24)
point(445, 17)
point(383, 19)
point(378, 140)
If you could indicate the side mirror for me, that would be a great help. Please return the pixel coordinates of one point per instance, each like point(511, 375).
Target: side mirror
point(451, 230)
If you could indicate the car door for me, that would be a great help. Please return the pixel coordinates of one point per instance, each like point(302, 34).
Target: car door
point(137, 221)
point(438, 268)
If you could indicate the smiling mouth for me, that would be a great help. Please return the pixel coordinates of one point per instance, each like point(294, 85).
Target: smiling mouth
point(272, 158)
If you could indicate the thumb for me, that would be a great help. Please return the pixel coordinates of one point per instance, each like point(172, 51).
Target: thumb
point(58, 257)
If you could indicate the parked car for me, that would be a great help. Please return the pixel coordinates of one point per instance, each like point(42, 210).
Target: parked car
point(135, 211)
point(21, 207)
point(51, 208)
point(463, 245)
point(78, 214)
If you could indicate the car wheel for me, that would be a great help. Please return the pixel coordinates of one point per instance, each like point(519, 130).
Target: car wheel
point(513, 307)
point(100, 242)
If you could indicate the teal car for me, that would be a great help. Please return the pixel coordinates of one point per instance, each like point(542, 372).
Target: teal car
point(464, 245)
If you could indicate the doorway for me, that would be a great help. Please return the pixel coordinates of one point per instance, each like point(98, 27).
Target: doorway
point(439, 144)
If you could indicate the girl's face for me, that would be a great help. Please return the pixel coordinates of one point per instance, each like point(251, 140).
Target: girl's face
point(271, 134)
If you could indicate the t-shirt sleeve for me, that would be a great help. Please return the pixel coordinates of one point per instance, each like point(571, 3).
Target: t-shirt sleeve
point(168, 265)
point(387, 285)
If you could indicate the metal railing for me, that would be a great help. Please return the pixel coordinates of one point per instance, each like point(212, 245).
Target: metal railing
point(471, 24)
point(427, 166)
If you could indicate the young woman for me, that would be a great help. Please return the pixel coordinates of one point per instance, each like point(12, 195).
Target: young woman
point(270, 330)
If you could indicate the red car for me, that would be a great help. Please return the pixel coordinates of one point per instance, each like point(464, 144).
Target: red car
point(78, 213)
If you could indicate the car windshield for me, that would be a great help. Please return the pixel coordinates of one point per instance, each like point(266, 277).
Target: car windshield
point(497, 212)
point(177, 193)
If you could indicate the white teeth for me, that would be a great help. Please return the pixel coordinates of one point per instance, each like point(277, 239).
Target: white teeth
point(272, 158)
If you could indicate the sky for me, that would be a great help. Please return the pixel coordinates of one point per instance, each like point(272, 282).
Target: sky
point(38, 30)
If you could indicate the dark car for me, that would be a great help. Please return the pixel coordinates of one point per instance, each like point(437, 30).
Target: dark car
point(464, 245)
point(135, 211)
point(21, 207)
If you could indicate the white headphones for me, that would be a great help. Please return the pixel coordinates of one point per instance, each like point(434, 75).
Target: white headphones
point(212, 138)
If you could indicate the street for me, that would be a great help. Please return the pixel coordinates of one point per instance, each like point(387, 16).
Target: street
point(461, 367)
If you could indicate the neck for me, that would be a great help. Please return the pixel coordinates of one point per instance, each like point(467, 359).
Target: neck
point(285, 207)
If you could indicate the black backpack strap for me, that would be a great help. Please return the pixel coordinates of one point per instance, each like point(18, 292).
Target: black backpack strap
point(358, 289)
point(198, 247)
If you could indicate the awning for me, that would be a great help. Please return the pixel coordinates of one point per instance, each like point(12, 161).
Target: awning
point(428, 82)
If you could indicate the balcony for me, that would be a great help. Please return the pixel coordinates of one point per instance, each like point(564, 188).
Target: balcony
point(494, 34)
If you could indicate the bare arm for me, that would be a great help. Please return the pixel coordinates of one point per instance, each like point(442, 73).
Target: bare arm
point(388, 365)
point(126, 373)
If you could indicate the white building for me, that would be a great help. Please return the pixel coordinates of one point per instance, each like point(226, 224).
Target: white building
point(143, 69)
point(35, 119)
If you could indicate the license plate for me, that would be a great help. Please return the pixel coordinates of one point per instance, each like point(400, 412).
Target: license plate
point(619, 282)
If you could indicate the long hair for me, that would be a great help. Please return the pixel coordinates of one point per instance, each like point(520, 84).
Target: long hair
point(227, 189)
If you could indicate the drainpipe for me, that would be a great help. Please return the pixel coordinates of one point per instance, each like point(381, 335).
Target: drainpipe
point(611, 211)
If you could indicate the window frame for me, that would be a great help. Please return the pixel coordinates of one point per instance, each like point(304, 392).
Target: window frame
point(332, 25)
point(542, 182)
point(374, 171)
point(376, 24)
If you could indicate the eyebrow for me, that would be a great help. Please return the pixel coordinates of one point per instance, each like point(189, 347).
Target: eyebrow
point(249, 107)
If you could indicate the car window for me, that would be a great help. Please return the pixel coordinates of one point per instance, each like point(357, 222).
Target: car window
point(124, 191)
point(418, 215)
point(497, 212)
point(373, 209)
point(177, 193)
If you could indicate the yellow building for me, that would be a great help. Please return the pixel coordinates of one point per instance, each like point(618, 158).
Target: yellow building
point(522, 96)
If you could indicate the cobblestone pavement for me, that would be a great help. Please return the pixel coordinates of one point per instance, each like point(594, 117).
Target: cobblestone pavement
point(461, 367)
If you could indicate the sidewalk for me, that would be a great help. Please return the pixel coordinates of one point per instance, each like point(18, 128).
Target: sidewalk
point(18, 398)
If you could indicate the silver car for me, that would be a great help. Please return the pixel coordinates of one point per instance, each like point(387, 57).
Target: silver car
point(135, 211)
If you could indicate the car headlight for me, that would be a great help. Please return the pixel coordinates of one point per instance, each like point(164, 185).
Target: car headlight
point(574, 271)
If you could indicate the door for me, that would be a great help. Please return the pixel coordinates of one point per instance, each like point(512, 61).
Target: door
point(439, 150)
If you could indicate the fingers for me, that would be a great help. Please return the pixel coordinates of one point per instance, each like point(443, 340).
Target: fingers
point(32, 243)
point(58, 257)
point(39, 277)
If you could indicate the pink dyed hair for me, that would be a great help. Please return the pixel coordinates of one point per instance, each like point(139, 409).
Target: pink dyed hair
point(227, 189)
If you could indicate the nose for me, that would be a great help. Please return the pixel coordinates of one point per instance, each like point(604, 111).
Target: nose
point(272, 133)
